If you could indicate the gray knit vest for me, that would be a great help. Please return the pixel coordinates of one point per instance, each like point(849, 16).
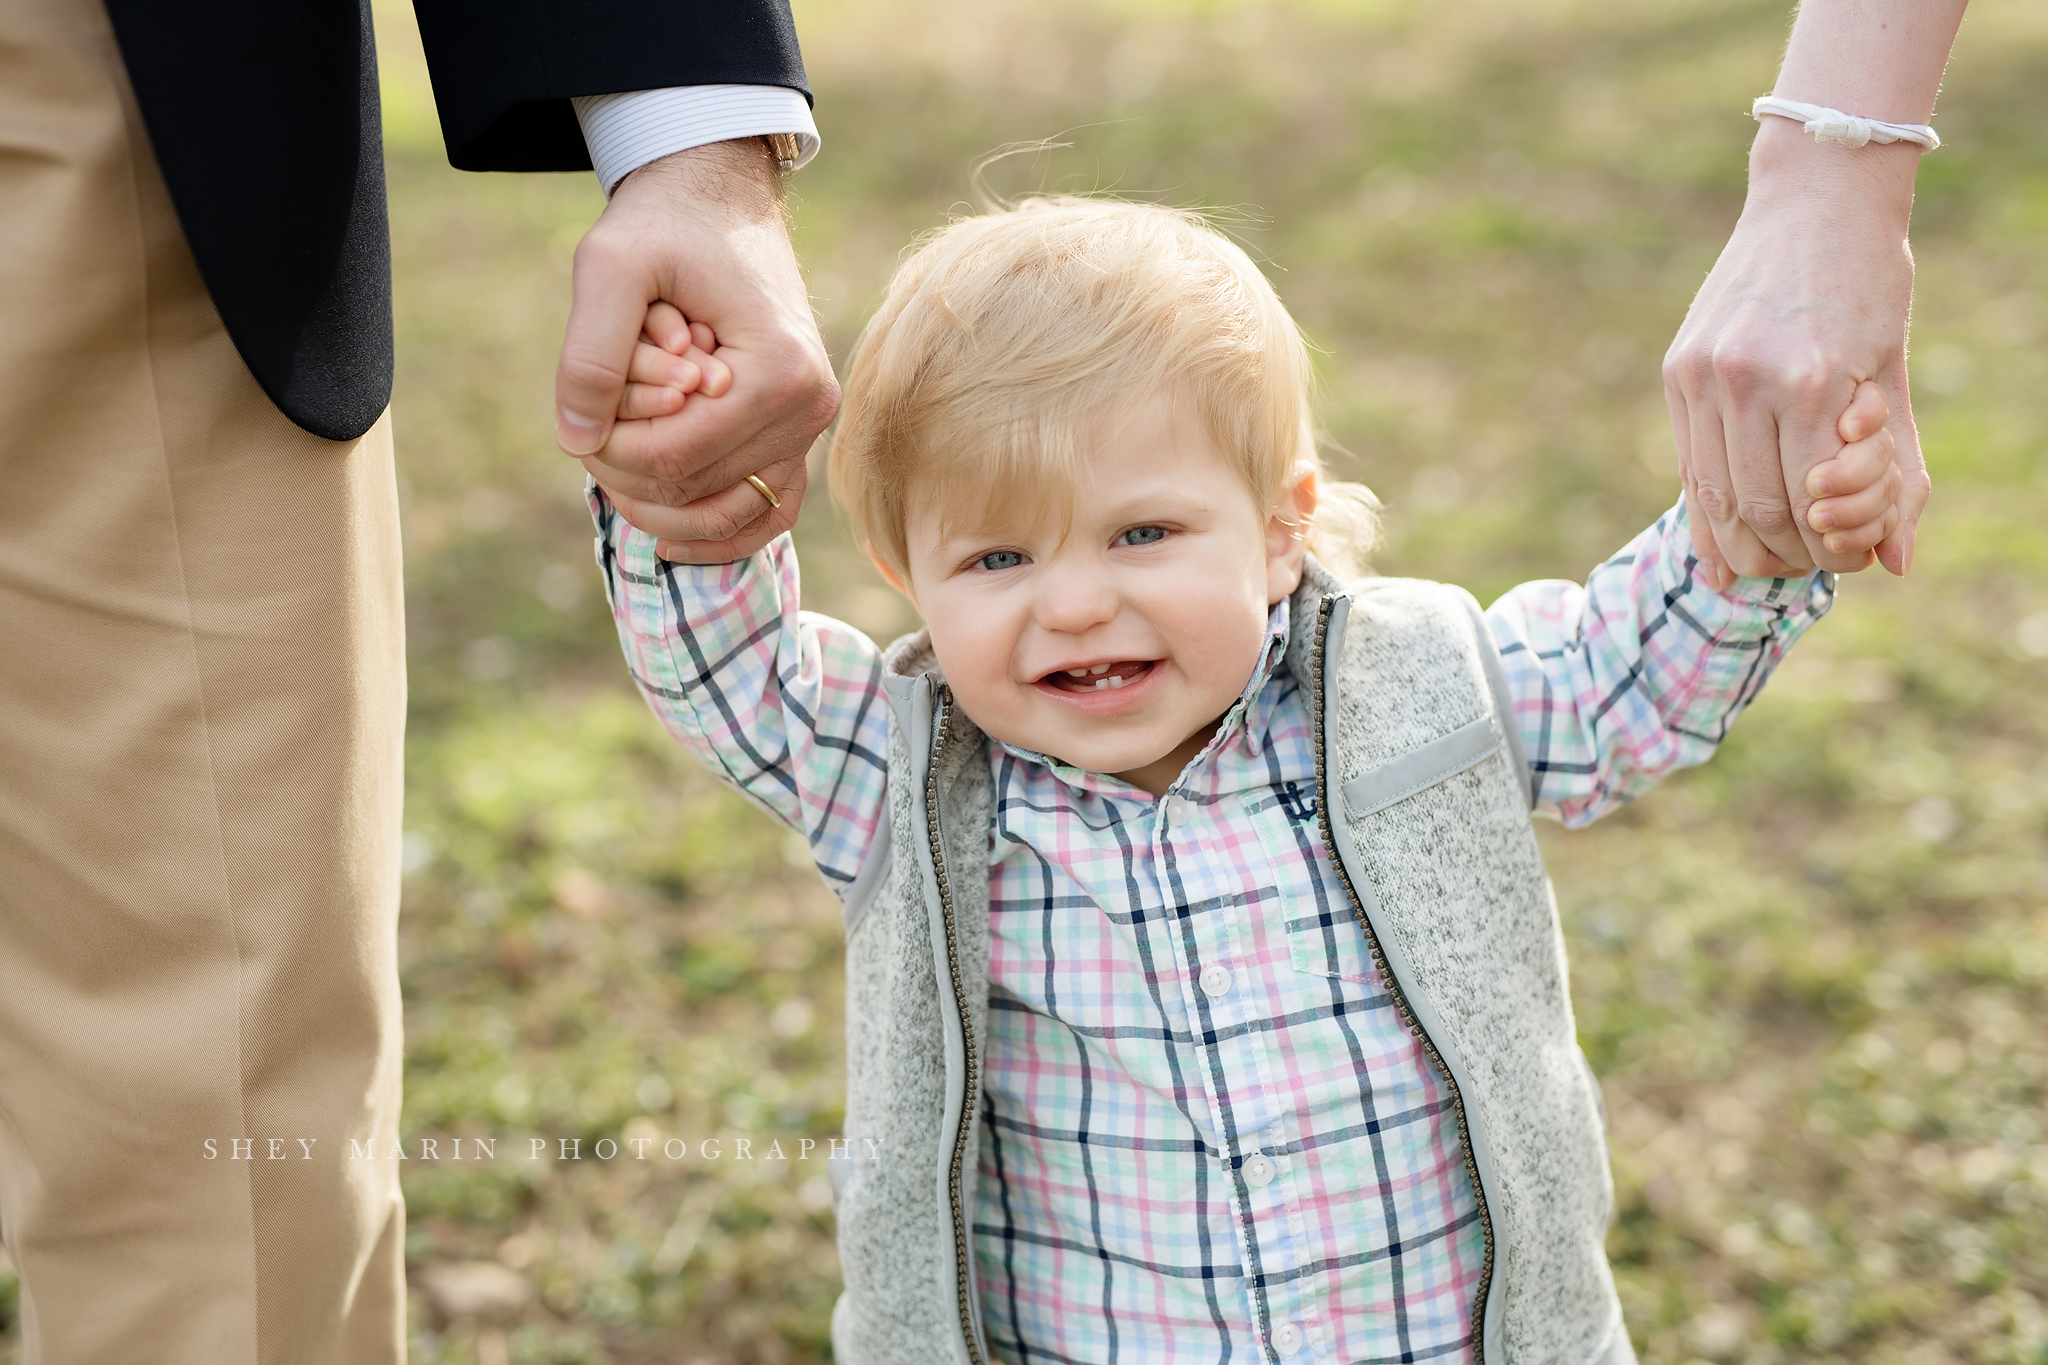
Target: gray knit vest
point(1423, 801)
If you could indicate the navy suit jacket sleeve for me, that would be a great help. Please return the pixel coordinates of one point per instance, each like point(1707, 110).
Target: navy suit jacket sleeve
point(504, 69)
point(264, 118)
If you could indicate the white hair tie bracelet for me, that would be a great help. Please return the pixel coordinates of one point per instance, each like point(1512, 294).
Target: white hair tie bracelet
point(1832, 125)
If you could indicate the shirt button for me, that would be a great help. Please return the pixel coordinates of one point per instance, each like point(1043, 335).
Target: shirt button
point(1259, 1169)
point(1287, 1338)
point(1215, 980)
point(1176, 809)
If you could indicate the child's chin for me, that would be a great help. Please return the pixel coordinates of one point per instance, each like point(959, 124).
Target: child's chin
point(1089, 756)
point(1110, 759)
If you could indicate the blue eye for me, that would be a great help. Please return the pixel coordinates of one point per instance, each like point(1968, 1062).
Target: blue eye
point(1142, 535)
point(995, 561)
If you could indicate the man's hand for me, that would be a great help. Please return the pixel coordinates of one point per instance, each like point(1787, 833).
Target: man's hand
point(1808, 300)
point(704, 230)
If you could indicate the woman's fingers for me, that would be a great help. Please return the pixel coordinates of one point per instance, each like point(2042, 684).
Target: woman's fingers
point(1742, 550)
point(1712, 570)
point(1896, 554)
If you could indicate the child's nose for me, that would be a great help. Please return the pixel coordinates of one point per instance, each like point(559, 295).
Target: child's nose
point(1072, 599)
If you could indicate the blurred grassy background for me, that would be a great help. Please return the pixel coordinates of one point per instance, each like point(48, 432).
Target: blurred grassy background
point(1812, 975)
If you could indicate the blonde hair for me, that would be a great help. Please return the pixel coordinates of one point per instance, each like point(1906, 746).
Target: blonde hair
point(1007, 338)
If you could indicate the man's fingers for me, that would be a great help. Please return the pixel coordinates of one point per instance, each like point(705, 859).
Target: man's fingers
point(730, 550)
point(710, 431)
point(723, 518)
point(624, 485)
point(715, 518)
point(612, 290)
point(773, 520)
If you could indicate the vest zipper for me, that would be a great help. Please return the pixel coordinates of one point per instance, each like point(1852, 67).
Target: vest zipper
point(1400, 999)
point(963, 1262)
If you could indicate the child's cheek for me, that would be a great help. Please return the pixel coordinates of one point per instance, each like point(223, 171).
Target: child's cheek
point(972, 652)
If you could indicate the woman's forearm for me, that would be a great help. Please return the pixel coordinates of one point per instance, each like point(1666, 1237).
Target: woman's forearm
point(1877, 59)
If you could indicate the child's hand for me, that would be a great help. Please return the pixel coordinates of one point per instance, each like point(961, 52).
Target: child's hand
point(673, 359)
point(1858, 491)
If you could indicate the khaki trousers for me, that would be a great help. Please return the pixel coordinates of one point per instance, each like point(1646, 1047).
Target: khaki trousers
point(201, 713)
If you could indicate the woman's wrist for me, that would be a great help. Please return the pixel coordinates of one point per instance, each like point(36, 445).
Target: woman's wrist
point(1869, 185)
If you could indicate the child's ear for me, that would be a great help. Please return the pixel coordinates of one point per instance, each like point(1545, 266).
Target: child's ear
point(895, 580)
point(1287, 535)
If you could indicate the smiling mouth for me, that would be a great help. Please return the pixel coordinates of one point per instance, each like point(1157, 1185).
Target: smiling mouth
point(1098, 677)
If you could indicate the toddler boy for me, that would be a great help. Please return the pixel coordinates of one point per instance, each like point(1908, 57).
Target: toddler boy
point(1206, 997)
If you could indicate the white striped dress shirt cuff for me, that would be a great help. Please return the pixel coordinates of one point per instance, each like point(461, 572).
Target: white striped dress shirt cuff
point(627, 130)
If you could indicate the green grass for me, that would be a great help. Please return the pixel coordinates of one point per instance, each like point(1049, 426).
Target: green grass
point(1812, 975)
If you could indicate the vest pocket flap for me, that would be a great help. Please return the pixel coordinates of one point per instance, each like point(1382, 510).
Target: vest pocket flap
point(1420, 769)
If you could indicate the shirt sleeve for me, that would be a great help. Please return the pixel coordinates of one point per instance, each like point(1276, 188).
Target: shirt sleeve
point(1642, 670)
point(627, 130)
point(785, 706)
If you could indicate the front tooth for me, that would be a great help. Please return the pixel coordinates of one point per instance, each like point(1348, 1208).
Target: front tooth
point(1099, 669)
point(1077, 672)
point(1113, 682)
point(1101, 683)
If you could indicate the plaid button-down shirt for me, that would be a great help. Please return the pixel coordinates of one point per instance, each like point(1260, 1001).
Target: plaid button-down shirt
point(1176, 984)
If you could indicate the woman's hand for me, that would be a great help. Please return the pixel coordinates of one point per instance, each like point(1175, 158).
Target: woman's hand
point(1804, 310)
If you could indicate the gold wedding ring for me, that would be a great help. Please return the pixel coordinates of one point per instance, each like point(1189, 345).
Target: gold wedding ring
point(765, 491)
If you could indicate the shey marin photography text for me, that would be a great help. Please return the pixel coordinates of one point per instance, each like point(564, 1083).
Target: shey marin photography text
point(629, 1146)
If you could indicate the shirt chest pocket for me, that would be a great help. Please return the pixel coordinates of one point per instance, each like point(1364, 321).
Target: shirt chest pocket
point(1323, 935)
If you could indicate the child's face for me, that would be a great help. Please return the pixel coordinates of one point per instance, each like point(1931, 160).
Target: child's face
point(1116, 646)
